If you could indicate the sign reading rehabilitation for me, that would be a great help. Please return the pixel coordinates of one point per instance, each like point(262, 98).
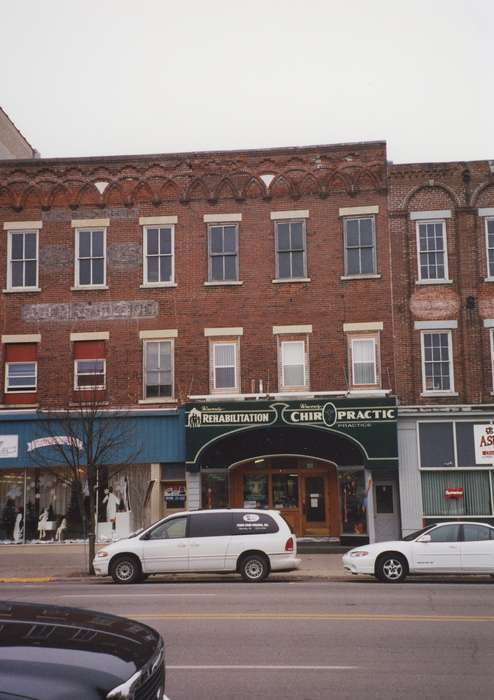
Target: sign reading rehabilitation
point(370, 423)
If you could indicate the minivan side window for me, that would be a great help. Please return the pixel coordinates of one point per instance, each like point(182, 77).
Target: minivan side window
point(210, 525)
point(170, 530)
point(253, 524)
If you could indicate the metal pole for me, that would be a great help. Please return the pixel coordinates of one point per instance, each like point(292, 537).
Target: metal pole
point(97, 503)
point(24, 520)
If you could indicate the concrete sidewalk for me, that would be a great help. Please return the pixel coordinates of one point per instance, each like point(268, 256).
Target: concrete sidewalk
point(29, 563)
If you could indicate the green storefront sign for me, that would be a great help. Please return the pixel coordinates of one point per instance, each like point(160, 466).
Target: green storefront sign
point(370, 424)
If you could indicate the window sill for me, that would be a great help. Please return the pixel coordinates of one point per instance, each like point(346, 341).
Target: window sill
point(292, 279)
point(361, 277)
point(420, 282)
point(20, 391)
point(19, 405)
point(488, 279)
point(157, 400)
point(22, 290)
point(157, 285)
point(425, 394)
point(89, 288)
point(234, 283)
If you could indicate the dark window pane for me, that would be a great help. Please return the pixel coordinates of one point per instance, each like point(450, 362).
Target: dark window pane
point(367, 258)
point(30, 280)
point(353, 261)
point(436, 445)
point(217, 268)
point(152, 241)
point(384, 498)
point(171, 529)
point(165, 241)
point(216, 239)
point(465, 447)
point(225, 377)
point(153, 268)
point(98, 237)
point(477, 533)
point(446, 533)
point(231, 267)
point(366, 232)
point(98, 272)
point(253, 524)
point(285, 491)
point(210, 525)
point(283, 232)
point(298, 265)
point(230, 239)
point(17, 274)
point(84, 272)
point(165, 268)
point(30, 246)
point(352, 232)
point(297, 236)
point(17, 246)
point(284, 265)
point(84, 244)
point(165, 356)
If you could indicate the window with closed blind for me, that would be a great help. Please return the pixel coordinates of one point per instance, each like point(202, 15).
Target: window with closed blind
point(293, 365)
point(364, 364)
point(224, 367)
point(89, 365)
point(21, 368)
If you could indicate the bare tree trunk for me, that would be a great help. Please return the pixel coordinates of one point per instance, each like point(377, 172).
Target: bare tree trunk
point(91, 526)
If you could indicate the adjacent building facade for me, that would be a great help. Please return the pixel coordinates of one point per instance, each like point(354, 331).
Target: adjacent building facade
point(291, 328)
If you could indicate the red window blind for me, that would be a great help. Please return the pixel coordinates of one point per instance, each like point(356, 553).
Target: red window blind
point(21, 352)
point(89, 350)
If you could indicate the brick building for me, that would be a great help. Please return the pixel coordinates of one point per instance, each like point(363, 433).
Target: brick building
point(441, 219)
point(237, 305)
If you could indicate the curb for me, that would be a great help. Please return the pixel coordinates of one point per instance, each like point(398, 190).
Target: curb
point(172, 578)
point(28, 579)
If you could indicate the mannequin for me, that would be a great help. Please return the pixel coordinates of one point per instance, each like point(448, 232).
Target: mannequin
point(59, 535)
point(112, 503)
point(42, 520)
point(18, 528)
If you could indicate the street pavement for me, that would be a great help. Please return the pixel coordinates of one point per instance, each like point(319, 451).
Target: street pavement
point(306, 640)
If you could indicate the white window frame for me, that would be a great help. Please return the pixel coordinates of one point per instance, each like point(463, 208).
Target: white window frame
point(212, 355)
point(348, 273)
point(211, 255)
point(490, 273)
point(277, 251)
point(438, 392)
point(375, 343)
point(432, 280)
point(23, 288)
point(491, 336)
point(286, 387)
point(158, 399)
point(77, 283)
point(171, 281)
point(92, 387)
point(29, 390)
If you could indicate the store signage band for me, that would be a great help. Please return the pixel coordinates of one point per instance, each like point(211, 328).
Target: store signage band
point(484, 443)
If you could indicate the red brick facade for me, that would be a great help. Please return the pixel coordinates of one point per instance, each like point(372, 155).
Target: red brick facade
point(317, 180)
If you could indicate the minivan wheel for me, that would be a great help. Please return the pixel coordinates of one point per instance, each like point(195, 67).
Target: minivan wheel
point(254, 568)
point(126, 569)
point(391, 568)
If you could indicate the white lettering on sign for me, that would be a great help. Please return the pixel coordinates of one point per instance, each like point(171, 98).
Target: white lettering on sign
point(345, 414)
point(483, 436)
point(305, 416)
point(9, 446)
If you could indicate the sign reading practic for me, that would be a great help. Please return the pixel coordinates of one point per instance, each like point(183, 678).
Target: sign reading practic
point(371, 424)
point(9, 446)
point(483, 436)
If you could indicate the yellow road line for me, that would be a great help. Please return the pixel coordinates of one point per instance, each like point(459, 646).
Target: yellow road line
point(37, 579)
point(323, 617)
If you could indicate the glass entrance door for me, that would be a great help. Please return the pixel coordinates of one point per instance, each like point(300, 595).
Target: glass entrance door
point(315, 505)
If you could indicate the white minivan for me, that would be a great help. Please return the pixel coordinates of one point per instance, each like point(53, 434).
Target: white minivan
point(249, 542)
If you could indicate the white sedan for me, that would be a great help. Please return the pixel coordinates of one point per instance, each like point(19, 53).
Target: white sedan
point(445, 548)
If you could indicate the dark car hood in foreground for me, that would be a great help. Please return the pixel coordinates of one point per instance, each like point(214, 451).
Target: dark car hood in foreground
point(57, 653)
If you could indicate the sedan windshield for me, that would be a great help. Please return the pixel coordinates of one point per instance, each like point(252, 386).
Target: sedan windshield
point(417, 533)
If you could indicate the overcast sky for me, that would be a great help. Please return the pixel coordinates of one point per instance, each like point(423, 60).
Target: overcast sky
point(94, 77)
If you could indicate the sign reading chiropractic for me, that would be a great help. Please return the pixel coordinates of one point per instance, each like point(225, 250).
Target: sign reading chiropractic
point(371, 424)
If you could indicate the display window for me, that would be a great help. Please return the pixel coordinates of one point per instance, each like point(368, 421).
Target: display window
point(285, 490)
point(256, 491)
point(353, 502)
point(215, 489)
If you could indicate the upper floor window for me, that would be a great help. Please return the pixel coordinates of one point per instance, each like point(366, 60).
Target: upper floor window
point(291, 262)
point(159, 264)
point(158, 369)
point(437, 362)
point(22, 270)
point(90, 374)
point(360, 246)
point(224, 367)
point(293, 370)
point(489, 242)
point(21, 368)
point(432, 250)
point(90, 268)
point(223, 252)
point(364, 361)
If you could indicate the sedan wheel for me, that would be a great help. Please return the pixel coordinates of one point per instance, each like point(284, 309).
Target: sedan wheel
point(391, 568)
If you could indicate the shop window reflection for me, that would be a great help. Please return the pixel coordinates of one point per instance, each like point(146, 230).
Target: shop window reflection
point(353, 499)
point(256, 491)
point(214, 490)
point(285, 491)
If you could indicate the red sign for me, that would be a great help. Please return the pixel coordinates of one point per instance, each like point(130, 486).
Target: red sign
point(454, 492)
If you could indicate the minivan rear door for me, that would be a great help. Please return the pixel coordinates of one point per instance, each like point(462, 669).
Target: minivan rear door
point(209, 536)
